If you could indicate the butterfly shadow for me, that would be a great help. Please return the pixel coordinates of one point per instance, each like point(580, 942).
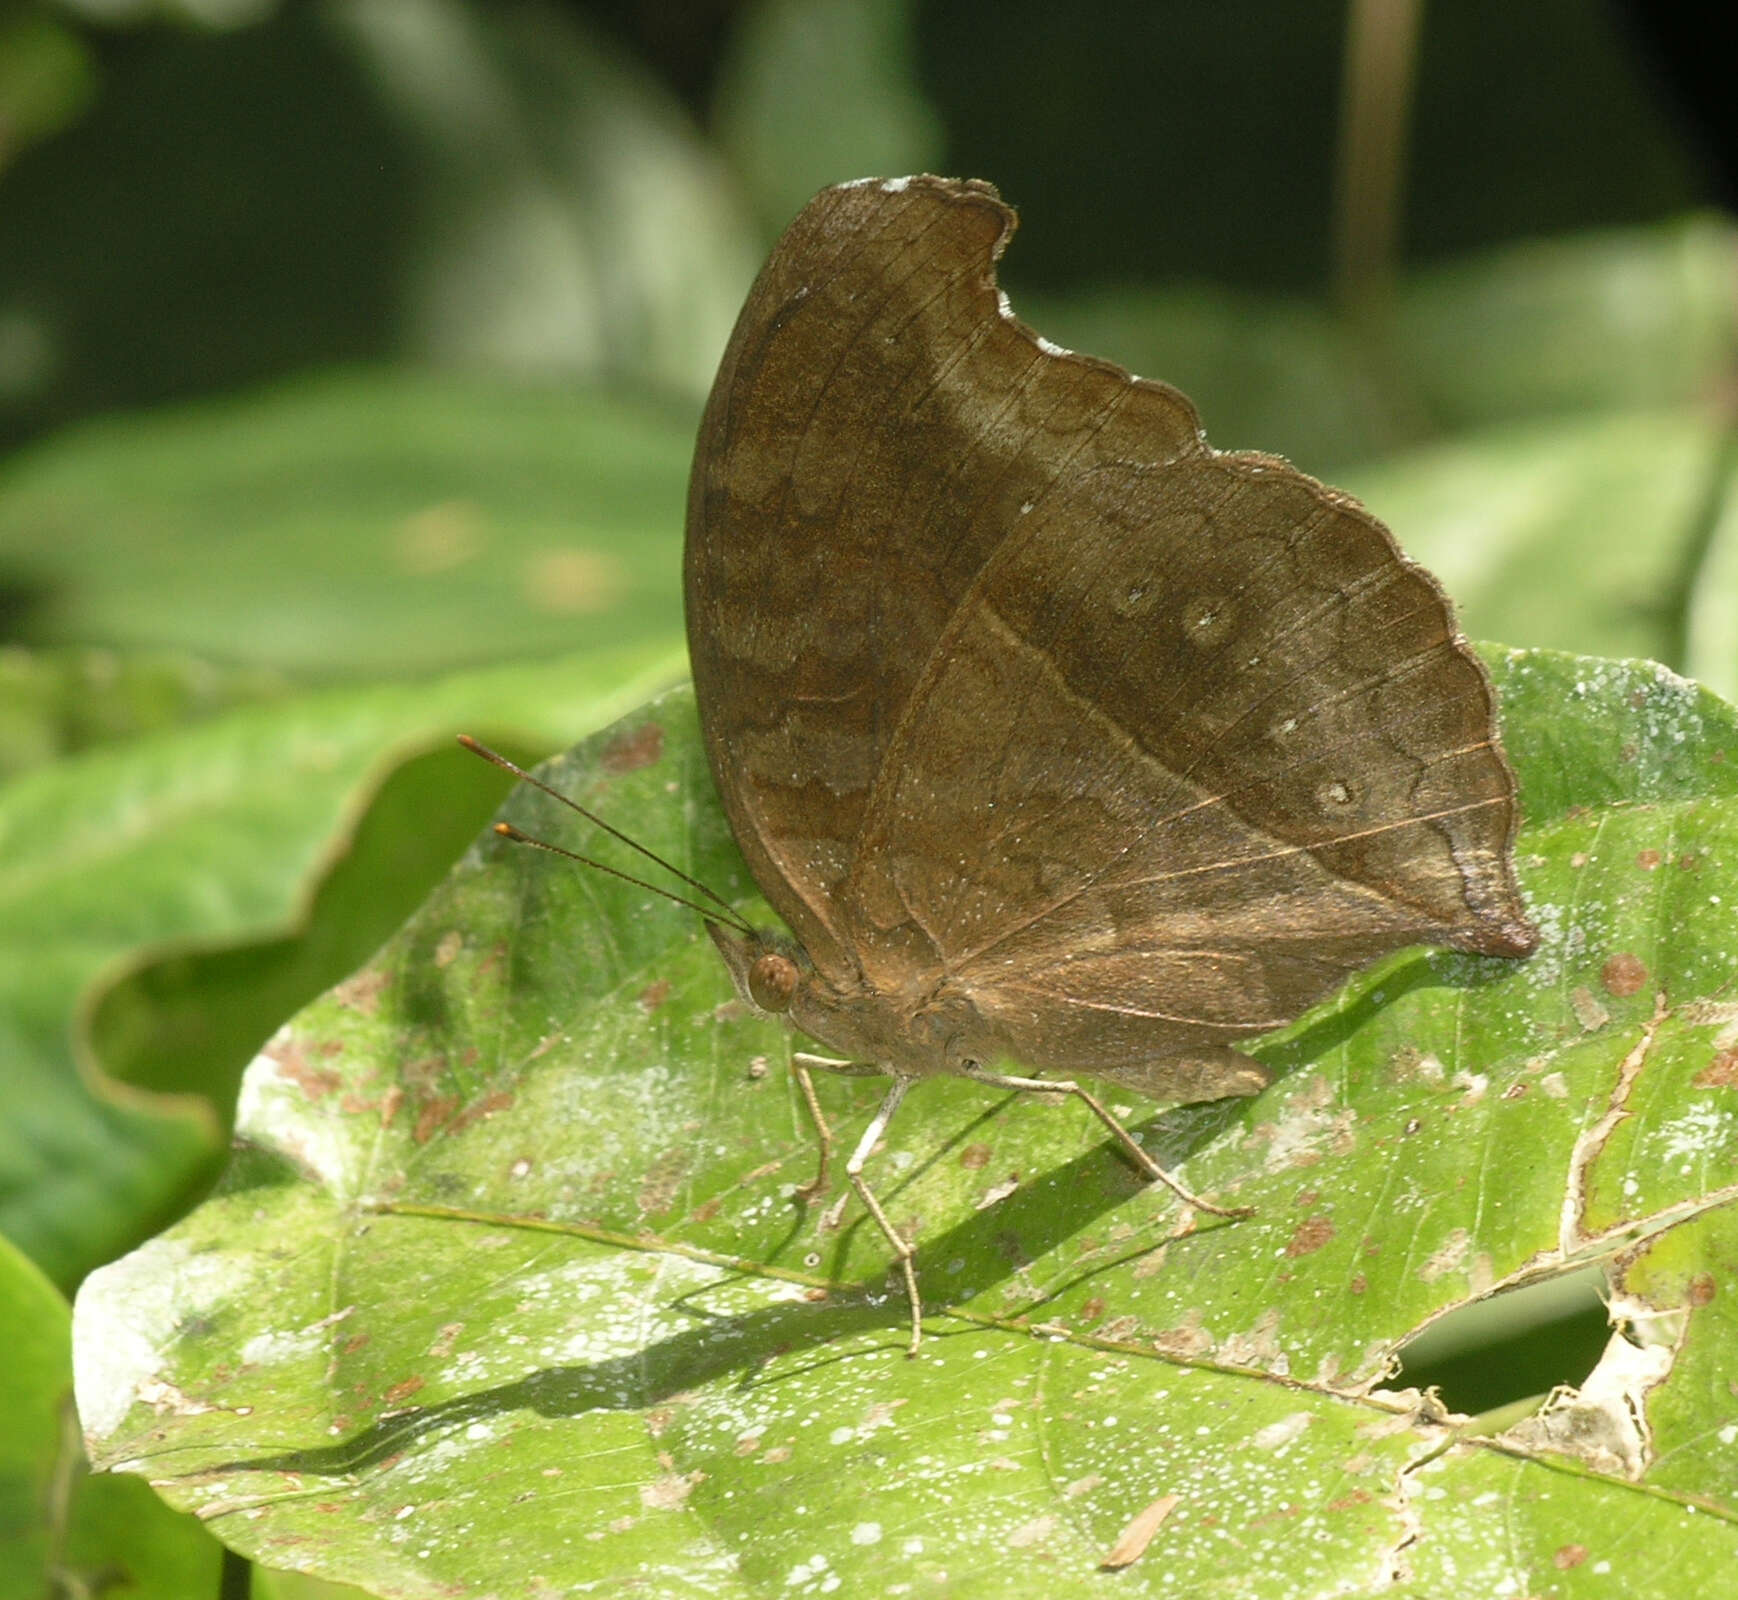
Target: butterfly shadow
point(957, 1265)
point(990, 1248)
point(1408, 972)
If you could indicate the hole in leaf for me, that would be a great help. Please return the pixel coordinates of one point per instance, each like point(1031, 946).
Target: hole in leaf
point(1512, 1346)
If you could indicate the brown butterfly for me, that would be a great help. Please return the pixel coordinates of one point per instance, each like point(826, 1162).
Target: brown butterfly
point(1055, 735)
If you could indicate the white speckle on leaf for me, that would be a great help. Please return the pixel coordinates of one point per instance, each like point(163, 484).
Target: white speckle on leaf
point(131, 1312)
point(1696, 1133)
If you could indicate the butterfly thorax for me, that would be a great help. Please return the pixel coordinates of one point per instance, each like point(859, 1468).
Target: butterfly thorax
point(930, 1029)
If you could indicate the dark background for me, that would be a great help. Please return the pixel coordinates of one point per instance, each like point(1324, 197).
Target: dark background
point(226, 205)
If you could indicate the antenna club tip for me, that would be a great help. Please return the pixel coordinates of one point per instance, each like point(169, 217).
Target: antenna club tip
point(508, 831)
point(468, 742)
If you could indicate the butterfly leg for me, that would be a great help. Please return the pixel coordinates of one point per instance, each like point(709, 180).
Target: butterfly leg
point(803, 1068)
point(1118, 1132)
point(901, 1248)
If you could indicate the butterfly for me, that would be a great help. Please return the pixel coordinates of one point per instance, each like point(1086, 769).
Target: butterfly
point(1055, 736)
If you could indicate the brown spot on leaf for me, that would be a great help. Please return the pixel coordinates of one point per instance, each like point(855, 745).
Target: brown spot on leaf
point(1191, 1339)
point(1450, 1256)
point(1515, 1091)
point(361, 991)
point(500, 1100)
point(400, 1392)
point(654, 995)
point(422, 1073)
point(1702, 1289)
point(748, 1444)
point(315, 1082)
point(1588, 1011)
point(1037, 1531)
point(1359, 1283)
point(1689, 861)
point(975, 1156)
point(1132, 1542)
point(1623, 975)
point(663, 1178)
point(1566, 1556)
point(433, 1115)
point(629, 751)
point(1312, 1233)
point(1093, 1310)
point(1648, 860)
point(778, 1453)
point(1153, 1262)
point(669, 1491)
point(447, 951)
point(705, 1211)
point(1720, 1073)
point(1306, 1198)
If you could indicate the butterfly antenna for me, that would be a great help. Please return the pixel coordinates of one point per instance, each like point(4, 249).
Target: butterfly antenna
point(508, 831)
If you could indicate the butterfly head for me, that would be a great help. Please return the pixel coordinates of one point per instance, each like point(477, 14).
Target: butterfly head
point(767, 971)
point(929, 1029)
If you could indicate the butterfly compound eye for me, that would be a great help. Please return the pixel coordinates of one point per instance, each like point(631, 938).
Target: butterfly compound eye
point(772, 980)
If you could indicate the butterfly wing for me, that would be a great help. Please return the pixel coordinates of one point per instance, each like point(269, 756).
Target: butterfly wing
point(1198, 745)
point(1008, 679)
point(876, 426)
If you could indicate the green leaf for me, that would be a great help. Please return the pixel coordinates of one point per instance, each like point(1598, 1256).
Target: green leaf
point(1711, 605)
point(507, 1284)
point(814, 92)
point(46, 80)
point(55, 702)
point(63, 1532)
point(1639, 320)
point(205, 839)
point(434, 523)
point(1579, 534)
point(579, 226)
point(1624, 320)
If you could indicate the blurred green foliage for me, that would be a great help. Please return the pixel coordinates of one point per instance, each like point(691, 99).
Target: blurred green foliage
point(349, 357)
